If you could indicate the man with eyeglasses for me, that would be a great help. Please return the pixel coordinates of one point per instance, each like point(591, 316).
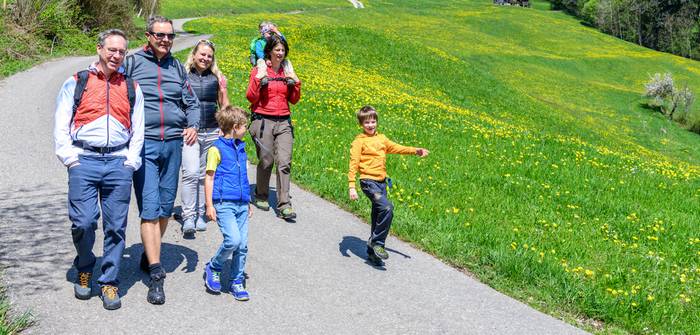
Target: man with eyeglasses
point(98, 134)
point(171, 117)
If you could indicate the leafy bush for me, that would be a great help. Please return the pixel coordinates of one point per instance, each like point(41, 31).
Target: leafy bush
point(676, 103)
point(99, 14)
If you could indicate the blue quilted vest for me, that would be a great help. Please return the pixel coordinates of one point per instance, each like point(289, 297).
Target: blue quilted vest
point(231, 177)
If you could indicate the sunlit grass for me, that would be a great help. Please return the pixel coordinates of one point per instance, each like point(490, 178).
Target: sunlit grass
point(11, 324)
point(546, 177)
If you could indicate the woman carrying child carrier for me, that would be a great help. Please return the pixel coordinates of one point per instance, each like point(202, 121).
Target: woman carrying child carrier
point(270, 90)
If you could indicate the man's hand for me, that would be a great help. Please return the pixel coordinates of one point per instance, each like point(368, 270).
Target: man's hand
point(211, 213)
point(189, 135)
point(353, 194)
point(250, 210)
point(422, 152)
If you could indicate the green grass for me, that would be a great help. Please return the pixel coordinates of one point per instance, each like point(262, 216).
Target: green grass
point(184, 8)
point(547, 178)
point(11, 324)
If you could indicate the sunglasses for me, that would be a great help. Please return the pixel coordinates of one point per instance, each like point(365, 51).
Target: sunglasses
point(207, 42)
point(161, 36)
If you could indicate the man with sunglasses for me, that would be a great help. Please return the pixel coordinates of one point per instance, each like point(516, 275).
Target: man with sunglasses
point(171, 117)
point(98, 135)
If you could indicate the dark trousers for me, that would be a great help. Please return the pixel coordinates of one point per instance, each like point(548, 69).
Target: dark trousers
point(382, 211)
point(99, 180)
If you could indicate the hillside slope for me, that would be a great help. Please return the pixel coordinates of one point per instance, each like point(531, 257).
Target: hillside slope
point(547, 178)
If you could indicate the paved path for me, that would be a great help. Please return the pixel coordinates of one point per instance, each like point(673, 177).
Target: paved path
point(308, 277)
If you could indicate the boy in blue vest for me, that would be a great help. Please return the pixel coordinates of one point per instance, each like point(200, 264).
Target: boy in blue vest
point(227, 196)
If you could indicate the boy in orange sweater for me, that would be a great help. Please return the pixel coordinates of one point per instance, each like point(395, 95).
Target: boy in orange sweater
point(368, 156)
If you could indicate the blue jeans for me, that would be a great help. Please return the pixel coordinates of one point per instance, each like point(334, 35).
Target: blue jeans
point(155, 183)
point(382, 210)
point(102, 178)
point(232, 218)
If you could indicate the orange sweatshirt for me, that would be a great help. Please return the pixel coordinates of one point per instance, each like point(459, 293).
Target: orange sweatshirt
point(368, 156)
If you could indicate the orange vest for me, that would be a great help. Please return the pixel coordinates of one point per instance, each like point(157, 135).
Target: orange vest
point(103, 97)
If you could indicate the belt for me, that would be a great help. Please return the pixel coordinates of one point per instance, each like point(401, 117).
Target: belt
point(258, 116)
point(101, 150)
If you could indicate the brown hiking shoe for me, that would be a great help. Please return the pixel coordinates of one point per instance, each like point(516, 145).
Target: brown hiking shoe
point(82, 288)
point(110, 297)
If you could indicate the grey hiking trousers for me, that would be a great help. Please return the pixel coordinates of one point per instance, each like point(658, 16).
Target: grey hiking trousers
point(273, 137)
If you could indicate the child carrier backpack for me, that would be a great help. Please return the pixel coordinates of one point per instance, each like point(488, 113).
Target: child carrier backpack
point(81, 83)
point(253, 57)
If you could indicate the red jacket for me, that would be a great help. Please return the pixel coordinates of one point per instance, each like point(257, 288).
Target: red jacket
point(273, 100)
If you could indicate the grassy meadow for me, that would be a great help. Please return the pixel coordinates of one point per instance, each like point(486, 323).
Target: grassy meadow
point(547, 178)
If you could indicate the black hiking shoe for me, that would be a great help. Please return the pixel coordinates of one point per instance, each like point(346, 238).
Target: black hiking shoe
point(379, 251)
point(373, 260)
point(156, 295)
point(288, 214)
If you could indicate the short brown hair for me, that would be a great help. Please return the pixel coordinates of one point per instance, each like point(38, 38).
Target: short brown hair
point(367, 113)
point(103, 36)
point(157, 19)
point(230, 116)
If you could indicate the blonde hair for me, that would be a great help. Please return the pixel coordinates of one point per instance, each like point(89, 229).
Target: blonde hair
point(367, 112)
point(189, 64)
point(229, 117)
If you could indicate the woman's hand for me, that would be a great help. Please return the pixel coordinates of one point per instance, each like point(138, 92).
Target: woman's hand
point(289, 70)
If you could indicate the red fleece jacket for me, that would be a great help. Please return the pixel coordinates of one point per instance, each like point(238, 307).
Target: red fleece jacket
point(272, 100)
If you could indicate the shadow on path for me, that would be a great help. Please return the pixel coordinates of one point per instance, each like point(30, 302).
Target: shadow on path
point(35, 237)
point(358, 247)
point(172, 257)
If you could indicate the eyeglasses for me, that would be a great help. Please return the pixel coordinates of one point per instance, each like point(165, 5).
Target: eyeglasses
point(162, 36)
point(112, 51)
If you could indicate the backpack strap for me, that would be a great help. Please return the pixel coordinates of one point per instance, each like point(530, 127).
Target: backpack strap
point(81, 79)
point(131, 92)
point(130, 63)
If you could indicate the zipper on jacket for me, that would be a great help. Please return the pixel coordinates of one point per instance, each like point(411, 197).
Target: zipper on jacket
point(107, 82)
point(238, 164)
point(160, 96)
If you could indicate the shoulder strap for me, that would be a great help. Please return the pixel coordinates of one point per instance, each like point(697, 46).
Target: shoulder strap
point(81, 79)
point(130, 63)
point(131, 91)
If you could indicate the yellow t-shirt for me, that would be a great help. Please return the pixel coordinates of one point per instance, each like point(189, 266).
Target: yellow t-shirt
point(213, 158)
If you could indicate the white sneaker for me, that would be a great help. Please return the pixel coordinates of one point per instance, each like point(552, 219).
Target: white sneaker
point(188, 226)
point(201, 225)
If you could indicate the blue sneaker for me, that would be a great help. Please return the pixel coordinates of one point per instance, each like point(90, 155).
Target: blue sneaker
point(238, 290)
point(212, 279)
